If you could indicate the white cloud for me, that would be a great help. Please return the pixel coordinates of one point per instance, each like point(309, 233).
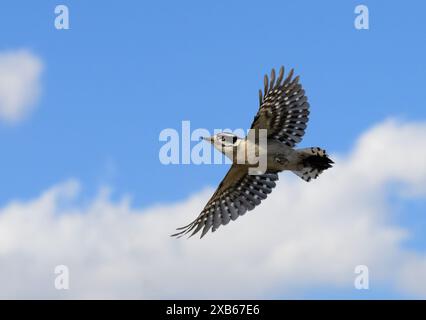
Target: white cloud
point(304, 236)
point(19, 84)
point(412, 276)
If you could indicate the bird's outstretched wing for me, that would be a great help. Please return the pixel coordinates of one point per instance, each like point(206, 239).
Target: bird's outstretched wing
point(237, 193)
point(283, 110)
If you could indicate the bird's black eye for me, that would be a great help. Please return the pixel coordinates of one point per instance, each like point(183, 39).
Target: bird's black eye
point(234, 139)
point(223, 138)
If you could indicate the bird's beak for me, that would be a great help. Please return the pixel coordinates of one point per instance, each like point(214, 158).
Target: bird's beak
point(209, 139)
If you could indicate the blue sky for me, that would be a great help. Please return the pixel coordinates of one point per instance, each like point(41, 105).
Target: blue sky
point(127, 70)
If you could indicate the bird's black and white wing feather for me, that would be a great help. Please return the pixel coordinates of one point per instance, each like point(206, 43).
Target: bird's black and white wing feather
point(237, 193)
point(283, 110)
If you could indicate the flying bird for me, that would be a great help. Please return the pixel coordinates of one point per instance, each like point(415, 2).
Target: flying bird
point(284, 114)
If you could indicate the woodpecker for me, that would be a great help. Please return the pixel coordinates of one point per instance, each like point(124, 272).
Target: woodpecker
point(283, 114)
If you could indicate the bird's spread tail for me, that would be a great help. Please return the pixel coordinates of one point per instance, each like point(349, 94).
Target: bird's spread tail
point(314, 161)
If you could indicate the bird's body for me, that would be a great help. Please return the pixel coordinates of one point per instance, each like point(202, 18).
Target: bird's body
point(283, 115)
point(279, 156)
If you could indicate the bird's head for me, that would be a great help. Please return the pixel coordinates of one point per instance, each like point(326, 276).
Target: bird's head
point(225, 142)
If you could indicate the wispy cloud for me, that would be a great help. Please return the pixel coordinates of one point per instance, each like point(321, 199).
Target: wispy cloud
point(305, 235)
point(20, 86)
